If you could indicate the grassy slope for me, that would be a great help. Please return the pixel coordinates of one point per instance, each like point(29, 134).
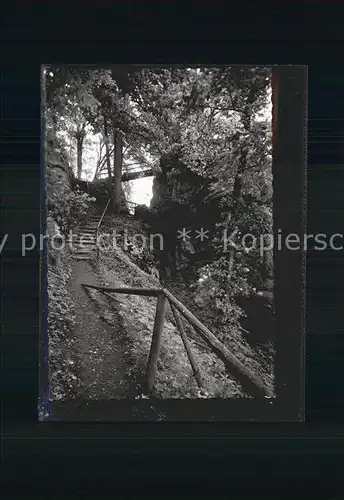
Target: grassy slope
point(174, 378)
point(61, 319)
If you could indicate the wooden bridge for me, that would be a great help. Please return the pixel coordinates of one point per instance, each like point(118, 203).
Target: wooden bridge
point(131, 174)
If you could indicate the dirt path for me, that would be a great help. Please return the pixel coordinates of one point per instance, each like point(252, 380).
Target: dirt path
point(101, 350)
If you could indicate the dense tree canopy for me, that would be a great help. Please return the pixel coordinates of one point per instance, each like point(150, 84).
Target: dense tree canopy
point(206, 125)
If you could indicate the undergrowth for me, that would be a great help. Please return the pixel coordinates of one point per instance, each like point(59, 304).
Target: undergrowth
point(118, 267)
point(175, 378)
point(61, 320)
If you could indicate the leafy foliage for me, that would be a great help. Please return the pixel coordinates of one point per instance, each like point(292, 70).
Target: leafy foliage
point(61, 317)
point(204, 133)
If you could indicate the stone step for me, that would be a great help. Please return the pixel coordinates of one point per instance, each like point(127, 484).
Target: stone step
point(80, 257)
point(86, 240)
point(78, 245)
point(82, 241)
point(82, 250)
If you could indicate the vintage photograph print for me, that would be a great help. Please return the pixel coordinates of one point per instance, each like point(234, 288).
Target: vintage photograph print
point(161, 240)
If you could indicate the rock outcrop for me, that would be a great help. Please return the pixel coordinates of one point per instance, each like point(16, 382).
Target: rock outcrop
point(100, 191)
point(59, 176)
point(178, 203)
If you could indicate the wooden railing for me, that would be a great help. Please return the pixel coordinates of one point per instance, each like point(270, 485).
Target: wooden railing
point(130, 174)
point(132, 205)
point(249, 381)
point(98, 227)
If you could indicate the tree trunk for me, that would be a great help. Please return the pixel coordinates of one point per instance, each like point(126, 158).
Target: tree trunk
point(118, 164)
point(250, 382)
point(79, 143)
point(108, 163)
point(156, 340)
point(102, 163)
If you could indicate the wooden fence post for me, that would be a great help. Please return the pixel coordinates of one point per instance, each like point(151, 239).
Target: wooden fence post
point(250, 382)
point(187, 346)
point(156, 340)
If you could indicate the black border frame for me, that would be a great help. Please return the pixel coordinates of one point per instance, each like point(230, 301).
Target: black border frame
point(281, 456)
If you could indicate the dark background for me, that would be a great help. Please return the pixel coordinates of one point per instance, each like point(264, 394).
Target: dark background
point(241, 457)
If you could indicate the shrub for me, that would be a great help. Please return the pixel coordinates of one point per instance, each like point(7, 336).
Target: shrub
point(70, 209)
point(60, 323)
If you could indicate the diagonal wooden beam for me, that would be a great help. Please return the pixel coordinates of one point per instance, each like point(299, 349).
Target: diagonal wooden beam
point(148, 292)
